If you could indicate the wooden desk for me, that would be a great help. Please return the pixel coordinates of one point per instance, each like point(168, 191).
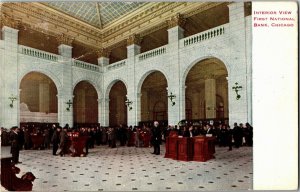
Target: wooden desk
point(204, 148)
point(37, 140)
point(78, 143)
point(185, 149)
point(171, 147)
point(190, 149)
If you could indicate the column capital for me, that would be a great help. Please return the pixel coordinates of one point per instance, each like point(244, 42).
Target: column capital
point(209, 76)
point(103, 52)
point(176, 20)
point(9, 21)
point(65, 39)
point(134, 39)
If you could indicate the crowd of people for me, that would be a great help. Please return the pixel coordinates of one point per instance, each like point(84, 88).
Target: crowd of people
point(239, 135)
point(145, 136)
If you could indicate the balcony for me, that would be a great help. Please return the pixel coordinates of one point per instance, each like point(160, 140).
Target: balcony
point(204, 36)
point(85, 65)
point(38, 53)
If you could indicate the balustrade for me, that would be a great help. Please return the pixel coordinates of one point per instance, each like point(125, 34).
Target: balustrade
point(205, 35)
point(152, 53)
point(38, 53)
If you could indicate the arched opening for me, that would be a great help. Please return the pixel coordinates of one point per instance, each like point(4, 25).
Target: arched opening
point(207, 90)
point(154, 103)
point(117, 107)
point(85, 103)
point(38, 98)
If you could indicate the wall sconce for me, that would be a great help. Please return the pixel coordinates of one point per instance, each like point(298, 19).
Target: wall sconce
point(128, 103)
point(12, 99)
point(171, 97)
point(69, 103)
point(236, 89)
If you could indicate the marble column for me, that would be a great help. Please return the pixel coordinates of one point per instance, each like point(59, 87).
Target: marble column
point(44, 97)
point(210, 97)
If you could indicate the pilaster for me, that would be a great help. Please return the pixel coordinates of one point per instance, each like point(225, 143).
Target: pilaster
point(175, 33)
point(103, 57)
point(133, 49)
point(9, 68)
point(174, 105)
point(238, 108)
point(66, 94)
point(65, 113)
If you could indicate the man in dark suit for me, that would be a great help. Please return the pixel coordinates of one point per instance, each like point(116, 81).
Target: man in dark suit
point(55, 140)
point(237, 135)
point(156, 138)
point(15, 148)
point(63, 137)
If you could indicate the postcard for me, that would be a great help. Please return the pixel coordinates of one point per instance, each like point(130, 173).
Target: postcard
point(149, 96)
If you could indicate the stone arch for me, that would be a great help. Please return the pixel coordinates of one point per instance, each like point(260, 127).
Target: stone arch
point(146, 74)
point(191, 65)
point(111, 84)
point(85, 103)
point(89, 81)
point(202, 62)
point(38, 98)
point(49, 74)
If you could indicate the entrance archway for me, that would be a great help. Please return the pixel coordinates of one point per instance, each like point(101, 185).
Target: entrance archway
point(85, 103)
point(117, 107)
point(154, 103)
point(38, 98)
point(207, 89)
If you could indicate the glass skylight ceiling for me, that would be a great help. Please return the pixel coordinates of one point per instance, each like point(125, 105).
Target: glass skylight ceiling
point(88, 11)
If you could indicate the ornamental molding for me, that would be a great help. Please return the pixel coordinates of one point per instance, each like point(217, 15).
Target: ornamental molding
point(42, 18)
point(103, 52)
point(176, 20)
point(143, 21)
point(65, 39)
point(134, 39)
point(9, 21)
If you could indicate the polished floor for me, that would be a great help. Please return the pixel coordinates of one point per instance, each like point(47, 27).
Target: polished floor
point(136, 169)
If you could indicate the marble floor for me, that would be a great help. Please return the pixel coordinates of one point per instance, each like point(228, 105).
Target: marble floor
point(136, 169)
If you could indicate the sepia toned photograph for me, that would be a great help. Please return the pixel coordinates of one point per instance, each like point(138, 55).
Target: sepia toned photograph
point(128, 96)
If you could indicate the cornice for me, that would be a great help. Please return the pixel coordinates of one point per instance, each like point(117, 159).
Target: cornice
point(134, 39)
point(176, 20)
point(147, 19)
point(155, 17)
point(65, 39)
point(6, 20)
point(38, 16)
point(102, 52)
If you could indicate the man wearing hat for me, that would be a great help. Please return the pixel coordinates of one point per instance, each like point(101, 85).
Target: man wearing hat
point(15, 150)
